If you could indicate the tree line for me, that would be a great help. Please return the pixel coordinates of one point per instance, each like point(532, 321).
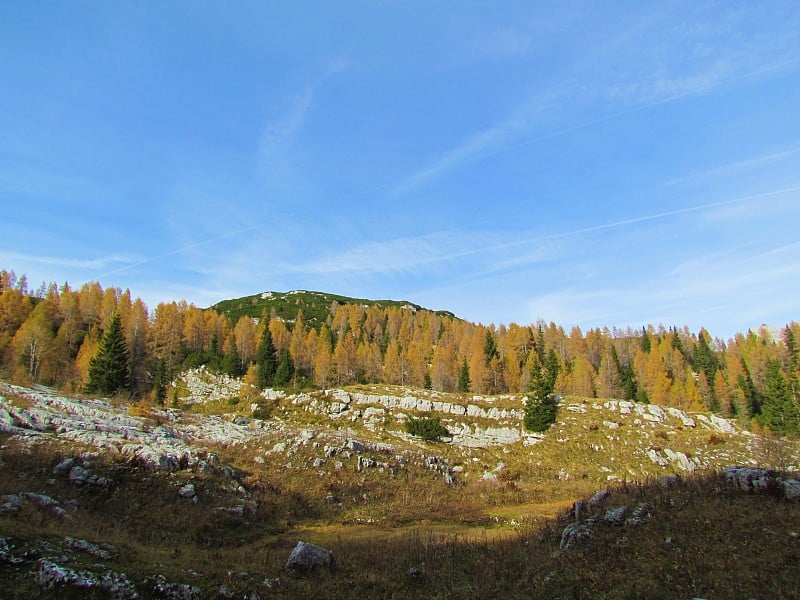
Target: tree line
point(53, 336)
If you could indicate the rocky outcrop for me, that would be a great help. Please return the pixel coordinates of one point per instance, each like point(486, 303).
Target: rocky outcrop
point(205, 386)
point(50, 574)
point(307, 557)
point(473, 436)
point(413, 403)
point(108, 428)
point(12, 503)
point(755, 480)
point(575, 533)
point(618, 516)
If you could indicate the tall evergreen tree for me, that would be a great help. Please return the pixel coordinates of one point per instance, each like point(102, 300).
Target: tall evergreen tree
point(751, 396)
point(489, 347)
point(541, 406)
point(285, 370)
point(792, 351)
point(266, 360)
point(232, 362)
point(463, 378)
point(627, 376)
point(160, 381)
point(109, 370)
point(780, 409)
point(705, 361)
point(214, 354)
point(644, 342)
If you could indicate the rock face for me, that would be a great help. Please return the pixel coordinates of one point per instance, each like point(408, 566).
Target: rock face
point(306, 557)
point(753, 480)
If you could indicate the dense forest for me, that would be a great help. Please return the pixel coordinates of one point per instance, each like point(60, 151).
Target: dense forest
point(54, 334)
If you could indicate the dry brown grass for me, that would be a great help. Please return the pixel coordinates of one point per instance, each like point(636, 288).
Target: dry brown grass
point(703, 539)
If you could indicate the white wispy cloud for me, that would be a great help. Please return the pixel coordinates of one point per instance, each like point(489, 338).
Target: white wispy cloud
point(741, 287)
point(735, 167)
point(665, 61)
point(281, 130)
point(487, 251)
point(91, 264)
point(396, 255)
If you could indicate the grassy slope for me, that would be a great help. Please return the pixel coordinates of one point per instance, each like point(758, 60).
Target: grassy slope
point(703, 540)
point(475, 539)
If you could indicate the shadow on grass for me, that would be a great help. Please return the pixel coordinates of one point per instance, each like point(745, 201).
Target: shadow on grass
point(702, 539)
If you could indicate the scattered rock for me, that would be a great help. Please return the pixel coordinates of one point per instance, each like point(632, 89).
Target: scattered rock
point(791, 489)
point(306, 557)
point(187, 491)
point(174, 591)
point(49, 574)
point(5, 553)
point(13, 502)
point(272, 582)
point(667, 481)
point(598, 498)
point(750, 479)
point(681, 460)
point(88, 548)
point(575, 533)
point(639, 515)
point(80, 476)
point(616, 516)
point(64, 466)
point(654, 456)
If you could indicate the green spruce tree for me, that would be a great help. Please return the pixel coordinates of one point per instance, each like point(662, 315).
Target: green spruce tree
point(109, 370)
point(779, 410)
point(232, 363)
point(285, 370)
point(266, 362)
point(541, 407)
point(463, 378)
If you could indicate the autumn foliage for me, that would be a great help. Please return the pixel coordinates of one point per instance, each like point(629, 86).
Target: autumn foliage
point(52, 335)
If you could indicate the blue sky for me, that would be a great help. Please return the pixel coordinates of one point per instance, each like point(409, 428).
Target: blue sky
point(588, 163)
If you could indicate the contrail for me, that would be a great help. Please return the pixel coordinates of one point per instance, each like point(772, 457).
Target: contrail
point(182, 249)
point(633, 220)
point(443, 165)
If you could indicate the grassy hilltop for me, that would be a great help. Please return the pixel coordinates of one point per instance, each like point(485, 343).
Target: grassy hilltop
point(315, 305)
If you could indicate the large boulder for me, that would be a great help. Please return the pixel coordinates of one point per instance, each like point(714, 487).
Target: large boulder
point(750, 479)
point(307, 557)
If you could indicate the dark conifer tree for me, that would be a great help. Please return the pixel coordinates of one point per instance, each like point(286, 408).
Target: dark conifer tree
point(160, 381)
point(705, 361)
point(489, 347)
point(463, 378)
point(266, 360)
point(779, 410)
point(109, 370)
point(285, 370)
point(232, 363)
point(644, 342)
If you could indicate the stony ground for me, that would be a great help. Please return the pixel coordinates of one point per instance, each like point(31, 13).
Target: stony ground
point(316, 465)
